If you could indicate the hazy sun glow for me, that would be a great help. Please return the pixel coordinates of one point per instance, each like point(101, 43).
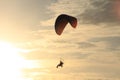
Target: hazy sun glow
point(10, 62)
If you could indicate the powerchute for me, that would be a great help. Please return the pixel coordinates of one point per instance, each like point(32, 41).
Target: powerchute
point(61, 22)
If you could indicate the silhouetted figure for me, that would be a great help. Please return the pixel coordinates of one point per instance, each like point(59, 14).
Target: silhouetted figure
point(60, 64)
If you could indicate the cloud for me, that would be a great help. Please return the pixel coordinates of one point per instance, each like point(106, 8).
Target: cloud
point(86, 45)
point(47, 23)
point(65, 6)
point(97, 12)
point(111, 42)
point(87, 11)
point(100, 12)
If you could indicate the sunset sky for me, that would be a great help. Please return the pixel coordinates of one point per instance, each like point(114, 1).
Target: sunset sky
point(90, 52)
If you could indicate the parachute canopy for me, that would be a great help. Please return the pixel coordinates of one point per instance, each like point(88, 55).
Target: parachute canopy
point(62, 20)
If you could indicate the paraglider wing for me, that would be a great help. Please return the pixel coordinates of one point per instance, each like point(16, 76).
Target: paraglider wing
point(60, 24)
point(62, 20)
point(72, 21)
